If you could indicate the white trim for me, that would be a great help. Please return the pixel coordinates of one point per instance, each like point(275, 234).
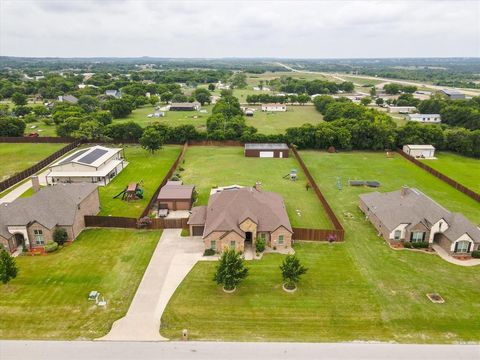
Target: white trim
point(464, 237)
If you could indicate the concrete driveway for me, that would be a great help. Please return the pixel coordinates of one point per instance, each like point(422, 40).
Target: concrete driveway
point(172, 260)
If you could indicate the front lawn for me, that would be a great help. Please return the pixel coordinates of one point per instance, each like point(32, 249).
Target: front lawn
point(143, 167)
point(17, 157)
point(278, 122)
point(460, 168)
point(206, 167)
point(48, 299)
point(358, 290)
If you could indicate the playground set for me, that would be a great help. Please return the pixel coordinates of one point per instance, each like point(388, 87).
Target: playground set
point(133, 191)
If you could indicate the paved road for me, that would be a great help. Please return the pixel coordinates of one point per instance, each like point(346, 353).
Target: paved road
point(173, 258)
point(61, 350)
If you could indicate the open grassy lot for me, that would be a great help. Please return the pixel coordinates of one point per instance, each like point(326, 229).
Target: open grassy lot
point(460, 168)
point(357, 290)
point(278, 122)
point(171, 118)
point(206, 167)
point(18, 157)
point(143, 167)
point(48, 299)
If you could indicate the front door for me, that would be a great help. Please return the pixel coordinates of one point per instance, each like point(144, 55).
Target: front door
point(248, 237)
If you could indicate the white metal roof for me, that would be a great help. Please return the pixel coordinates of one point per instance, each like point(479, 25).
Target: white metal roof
point(93, 156)
point(421, 147)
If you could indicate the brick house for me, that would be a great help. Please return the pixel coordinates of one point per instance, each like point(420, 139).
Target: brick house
point(408, 215)
point(31, 221)
point(237, 217)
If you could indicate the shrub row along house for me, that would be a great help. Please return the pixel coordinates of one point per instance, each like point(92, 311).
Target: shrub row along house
point(236, 217)
point(96, 164)
point(408, 215)
point(30, 222)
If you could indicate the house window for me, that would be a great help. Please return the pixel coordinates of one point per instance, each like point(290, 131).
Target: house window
point(38, 236)
point(281, 238)
point(213, 245)
point(417, 236)
point(397, 234)
point(462, 246)
point(232, 244)
point(262, 236)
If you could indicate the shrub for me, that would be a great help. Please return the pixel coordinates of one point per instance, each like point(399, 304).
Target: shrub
point(185, 232)
point(181, 169)
point(209, 252)
point(47, 121)
point(407, 245)
point(260, 245)
point(230, 270)
point(420, 245)
point(476, 254)
point(175, 178)
point(60, 236)
point(51, 247)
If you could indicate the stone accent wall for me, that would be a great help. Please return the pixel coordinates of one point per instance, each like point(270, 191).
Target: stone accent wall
point(287, 235)
point(47, 234)
point(418, 227)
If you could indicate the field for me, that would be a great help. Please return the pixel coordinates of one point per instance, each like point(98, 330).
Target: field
point(206, 167)
point(171, 118)
point(143, 167)
point(360, 290)
point(278, 122)
point(48, 299)
point(463, 169)
point(18, 157)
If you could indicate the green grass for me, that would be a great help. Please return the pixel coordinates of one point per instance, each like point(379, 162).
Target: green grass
point(48, 299)
point(278, 122)
point(463, 169)
point(358, 290)
point(18, 157)
point(171, 118)
point(143, 166)
point(206, 167)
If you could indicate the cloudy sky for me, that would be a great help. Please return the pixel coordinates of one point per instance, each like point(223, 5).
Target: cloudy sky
point(296, 29)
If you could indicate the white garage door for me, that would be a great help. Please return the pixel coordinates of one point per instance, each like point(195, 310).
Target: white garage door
point(266, 154)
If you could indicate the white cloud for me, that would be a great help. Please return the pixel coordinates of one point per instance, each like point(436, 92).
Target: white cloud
point(297, 29)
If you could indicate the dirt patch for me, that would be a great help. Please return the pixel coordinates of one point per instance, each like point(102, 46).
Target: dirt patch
point(435, 298)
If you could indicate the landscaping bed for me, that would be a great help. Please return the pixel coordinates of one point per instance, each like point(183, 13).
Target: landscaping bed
point(48, 299)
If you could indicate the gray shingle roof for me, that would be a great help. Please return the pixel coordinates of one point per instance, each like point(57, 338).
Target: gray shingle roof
point(266, 146)
point(53, 205)
point(413, 207)
point(227, 209)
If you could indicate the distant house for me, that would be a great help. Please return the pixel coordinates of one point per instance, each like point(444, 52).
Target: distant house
point(420, 151)
point(96, 164)
point(408, 215)
point(274, 107)
point(221, 86)
point(175, 196)
point(68, 98)
point(193, 106)
point(30, 222)
point(113, 93)
point(425, 118)
point(237, 217)
point(401, 109)
point(158, 114)
point(258, 88)
point(266, 150)
point(452, 94)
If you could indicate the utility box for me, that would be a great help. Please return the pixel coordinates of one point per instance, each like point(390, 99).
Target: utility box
point(184, 334)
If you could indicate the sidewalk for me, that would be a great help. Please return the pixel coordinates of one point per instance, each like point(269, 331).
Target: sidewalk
point(445, 256)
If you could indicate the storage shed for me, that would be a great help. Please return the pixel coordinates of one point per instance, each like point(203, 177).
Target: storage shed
point(175, 196)
point(266, 150)
point(420, 151)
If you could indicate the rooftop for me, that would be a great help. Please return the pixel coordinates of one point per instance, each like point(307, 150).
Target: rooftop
point(93, 156)
point(421, 147)
point(172, 191)
point(266, 146)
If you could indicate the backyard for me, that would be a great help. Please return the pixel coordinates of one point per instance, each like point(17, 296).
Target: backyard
point(206, 167)
point(278, 122)
point(463, 169)
point(144, 168)
point(48, 299)
point(17, 157)
point(359, 290)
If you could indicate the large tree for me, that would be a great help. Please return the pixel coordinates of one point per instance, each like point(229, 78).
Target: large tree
point(151, 140)
point(19, 99)
point(8, 267)
point(230, 270)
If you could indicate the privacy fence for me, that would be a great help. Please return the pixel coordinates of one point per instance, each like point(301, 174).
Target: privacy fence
point(38, 166)
point(469, 192)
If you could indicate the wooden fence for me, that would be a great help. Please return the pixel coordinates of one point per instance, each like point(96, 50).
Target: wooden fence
point(474, 195)
point(331, 215)
point(161, 223)
point(318, 234)
point(37, 167)
point(167, 177)
point(132, 223)
point(36, 140)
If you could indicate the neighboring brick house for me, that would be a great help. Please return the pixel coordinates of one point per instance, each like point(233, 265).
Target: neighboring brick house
point(235, 218)
point(31, 221)
point(408, 215)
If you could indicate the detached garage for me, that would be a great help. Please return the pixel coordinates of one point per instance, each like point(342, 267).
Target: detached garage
point(175, 196)
point(266, 150)
point(420, 151)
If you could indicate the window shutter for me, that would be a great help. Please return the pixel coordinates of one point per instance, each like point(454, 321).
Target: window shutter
point(469, 245)
point(423, 236)
point(456, 247)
